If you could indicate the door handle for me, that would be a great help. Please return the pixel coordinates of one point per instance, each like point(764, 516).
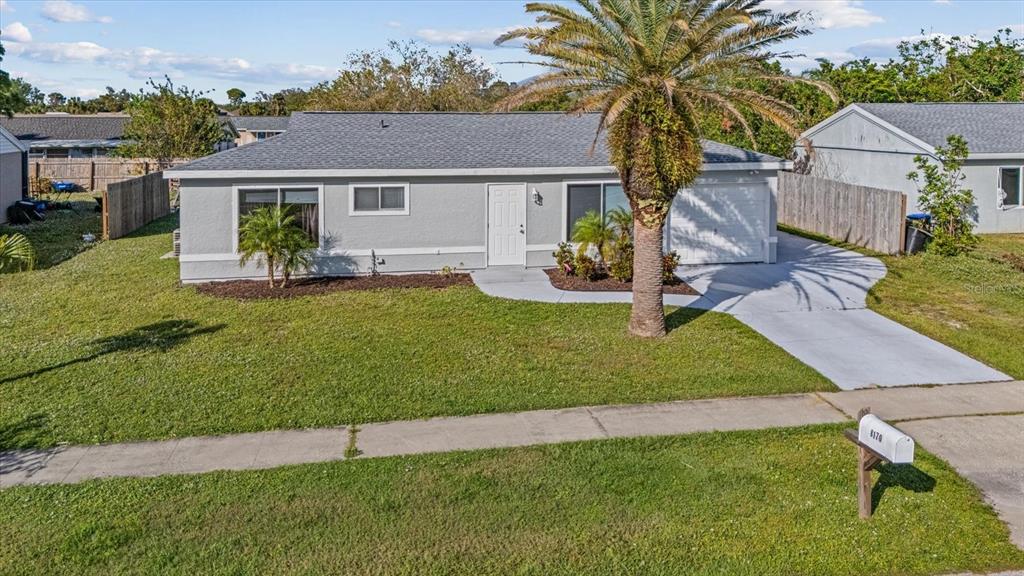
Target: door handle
point(521, 229)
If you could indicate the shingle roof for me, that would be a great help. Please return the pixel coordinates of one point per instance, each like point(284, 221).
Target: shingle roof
point(996, 127)
point(36, 127)
point(254, 123)
point(411, 140)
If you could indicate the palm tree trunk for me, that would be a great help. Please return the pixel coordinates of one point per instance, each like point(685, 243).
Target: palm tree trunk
point(647, 318)
point(270, 271)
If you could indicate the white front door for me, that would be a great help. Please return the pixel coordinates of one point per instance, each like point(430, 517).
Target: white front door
point(506, 224)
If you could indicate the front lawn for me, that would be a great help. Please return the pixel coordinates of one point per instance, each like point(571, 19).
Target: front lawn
point(107, 347)
point(757, 503)
point(974, 303)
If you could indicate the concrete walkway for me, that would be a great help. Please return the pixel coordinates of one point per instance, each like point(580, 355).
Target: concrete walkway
point(812, 303)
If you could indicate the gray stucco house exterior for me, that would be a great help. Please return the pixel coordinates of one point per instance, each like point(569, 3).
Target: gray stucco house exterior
point(421, 191)
point(13, 171)
point(875, 144)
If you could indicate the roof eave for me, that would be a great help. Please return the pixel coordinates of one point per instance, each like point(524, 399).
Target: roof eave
point(854, 109)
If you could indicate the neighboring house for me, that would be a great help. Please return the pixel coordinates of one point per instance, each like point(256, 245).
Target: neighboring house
point(60, 135)
point(875, 144)
point(13, 171)
point(421, 191)
point(67, 135)
point(257, 128)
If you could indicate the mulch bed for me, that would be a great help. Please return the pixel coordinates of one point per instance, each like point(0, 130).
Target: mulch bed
point(260, 289)
point(606, 283)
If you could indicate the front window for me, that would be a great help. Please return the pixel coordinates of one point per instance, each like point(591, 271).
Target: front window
point(380, 199)
point(303, 203)
point(1010, 185)
point(602, 198)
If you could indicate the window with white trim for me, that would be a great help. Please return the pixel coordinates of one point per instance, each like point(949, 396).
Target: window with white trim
point(382, 199)
point(599, 197)
point(1011, 186)
point(303, 203)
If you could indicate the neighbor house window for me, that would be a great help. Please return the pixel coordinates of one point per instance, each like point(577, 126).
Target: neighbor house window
point(302, 201)
point(381, 199)
point(600, 197)
point(1010, 184)
point(264, 134)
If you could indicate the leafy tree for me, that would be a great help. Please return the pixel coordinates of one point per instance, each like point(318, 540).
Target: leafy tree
point(11, 97)
point(594, 231)
point(111, 101)
point(654, 69)
point(170, 122)
point(942, 195)
point(271, 236)
point(55, 100)
point(235, 96)
point(16, 253)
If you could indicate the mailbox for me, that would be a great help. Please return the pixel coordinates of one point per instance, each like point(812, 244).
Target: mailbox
point(885, 440)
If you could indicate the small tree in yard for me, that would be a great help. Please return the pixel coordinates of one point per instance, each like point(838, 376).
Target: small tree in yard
point(942, 195)
point(270, 236)
point(170, 122)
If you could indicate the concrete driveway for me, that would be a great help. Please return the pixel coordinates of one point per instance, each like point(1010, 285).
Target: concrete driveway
point(812, 303)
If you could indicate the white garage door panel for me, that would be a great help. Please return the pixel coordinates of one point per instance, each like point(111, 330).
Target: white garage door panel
point(720, 223)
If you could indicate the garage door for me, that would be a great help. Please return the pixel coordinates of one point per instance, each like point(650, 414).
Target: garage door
point(719, 223)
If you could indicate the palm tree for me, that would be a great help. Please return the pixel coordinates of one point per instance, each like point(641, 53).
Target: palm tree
point(622, 220)
point(592, 229)
point(16, 252)
point(297, 254)
point(652, 70)
point(268, 236)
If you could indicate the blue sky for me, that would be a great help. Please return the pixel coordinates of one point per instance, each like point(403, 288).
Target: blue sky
point(79, 47)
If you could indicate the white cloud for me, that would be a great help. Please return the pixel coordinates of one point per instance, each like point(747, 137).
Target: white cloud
point(886, 47)
point(480, 38)
point(5, 6)
point(15, 32)
point(144, 62)
point(830, 13)
point(65, 11)
point(394, 24)
point(943, 1)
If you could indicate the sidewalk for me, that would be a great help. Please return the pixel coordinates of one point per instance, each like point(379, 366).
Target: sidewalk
point(71, 464)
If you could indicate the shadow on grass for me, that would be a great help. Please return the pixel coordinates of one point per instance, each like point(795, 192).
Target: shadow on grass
point(681, 317)
point(162, 225)
point(905, 476)
point(156, 337)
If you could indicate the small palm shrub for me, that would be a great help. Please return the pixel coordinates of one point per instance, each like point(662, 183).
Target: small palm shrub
point(622, 221)
point(594, 231)
point(564, 258)
point(270, 236)
point(621, 266)
point(16, 253)
point(669, 263)
point(585, 267)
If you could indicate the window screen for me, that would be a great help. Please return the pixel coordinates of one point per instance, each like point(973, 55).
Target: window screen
point(1009, 181)
point(583, 198)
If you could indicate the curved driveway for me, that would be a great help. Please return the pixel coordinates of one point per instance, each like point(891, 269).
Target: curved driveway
point(812, 303)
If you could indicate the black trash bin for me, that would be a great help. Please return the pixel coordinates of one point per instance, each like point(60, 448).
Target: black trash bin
point(917, 232)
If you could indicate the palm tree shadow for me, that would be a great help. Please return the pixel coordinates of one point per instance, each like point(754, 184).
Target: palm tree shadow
point(681, 317)
point(156, 337)
point(906, 476)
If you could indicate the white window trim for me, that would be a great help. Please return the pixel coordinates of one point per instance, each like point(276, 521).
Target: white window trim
point(1020, 187)
point(237, 189)
point(352, 199)
point(565, 200)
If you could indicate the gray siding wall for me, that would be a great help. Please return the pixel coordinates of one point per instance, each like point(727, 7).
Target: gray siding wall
point(11, 168)
point(446, 224)
point(856, 150)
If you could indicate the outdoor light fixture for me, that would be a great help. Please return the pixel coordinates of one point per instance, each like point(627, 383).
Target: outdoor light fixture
point(537, 198)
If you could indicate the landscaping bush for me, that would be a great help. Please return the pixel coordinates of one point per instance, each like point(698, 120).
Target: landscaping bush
point(669, 263)
point(565, 258)
point(585, 267)
point(621, 267)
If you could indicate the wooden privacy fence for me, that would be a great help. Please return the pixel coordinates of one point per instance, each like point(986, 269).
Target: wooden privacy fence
point(868, 217)
point(93, 173)
point(129, 205)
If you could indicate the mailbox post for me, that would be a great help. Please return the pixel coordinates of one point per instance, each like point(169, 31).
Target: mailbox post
point(876, 442)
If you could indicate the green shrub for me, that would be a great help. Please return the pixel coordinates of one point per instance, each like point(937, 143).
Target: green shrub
point(669, 263)
point(565, 258)
point(621, 267)
point(942, 195)
point(585, 267)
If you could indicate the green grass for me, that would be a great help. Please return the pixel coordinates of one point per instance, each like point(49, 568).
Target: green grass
point(758, 503)
point(59, 237)
point(974, 303)
point(108, 347)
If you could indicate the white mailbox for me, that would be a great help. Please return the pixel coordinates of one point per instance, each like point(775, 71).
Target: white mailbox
point(890, 443)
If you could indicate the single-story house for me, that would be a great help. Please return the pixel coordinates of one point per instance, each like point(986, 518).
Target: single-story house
point(13, 171)
point(420, 191)
point(875, 145)
point(257, 128)
point(61, 135)
point(58, 135)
